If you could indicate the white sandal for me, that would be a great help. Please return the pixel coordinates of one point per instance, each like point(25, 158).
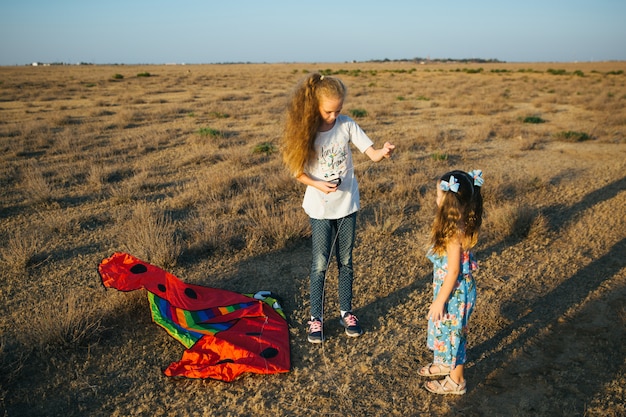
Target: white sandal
point(446, 386)
point(443, 370)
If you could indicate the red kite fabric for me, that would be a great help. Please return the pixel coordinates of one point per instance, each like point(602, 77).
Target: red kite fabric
point(225, 333)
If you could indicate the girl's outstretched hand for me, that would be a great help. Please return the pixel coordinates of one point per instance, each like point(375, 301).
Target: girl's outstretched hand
point(378, 154)
point(387, 149)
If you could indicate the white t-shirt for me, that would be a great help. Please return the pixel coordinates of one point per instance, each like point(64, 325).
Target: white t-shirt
point(334, 160)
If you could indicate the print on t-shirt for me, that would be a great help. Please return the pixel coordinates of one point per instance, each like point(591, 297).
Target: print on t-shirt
point(332, 160)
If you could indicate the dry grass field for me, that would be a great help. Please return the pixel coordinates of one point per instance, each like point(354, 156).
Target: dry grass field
point(179, 166)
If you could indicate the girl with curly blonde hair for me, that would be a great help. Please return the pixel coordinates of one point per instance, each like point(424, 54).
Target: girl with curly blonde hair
point(316, 150)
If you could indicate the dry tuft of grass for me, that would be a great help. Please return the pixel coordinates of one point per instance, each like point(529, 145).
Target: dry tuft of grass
point(72, 320)
point(151, 235)
point(275, 226)
point(509, 220)
point(388, 220)
point(35, 186)
point(22, 250)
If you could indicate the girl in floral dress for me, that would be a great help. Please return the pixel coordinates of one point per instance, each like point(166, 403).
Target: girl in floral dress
point(454, 233)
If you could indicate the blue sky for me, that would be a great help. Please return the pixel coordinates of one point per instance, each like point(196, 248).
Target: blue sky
point(208, 31)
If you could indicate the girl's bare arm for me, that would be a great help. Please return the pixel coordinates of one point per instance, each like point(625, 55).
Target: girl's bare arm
point(378, 154)
point(438, 307)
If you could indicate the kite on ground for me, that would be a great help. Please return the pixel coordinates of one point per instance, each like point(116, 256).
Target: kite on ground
point(225, 333)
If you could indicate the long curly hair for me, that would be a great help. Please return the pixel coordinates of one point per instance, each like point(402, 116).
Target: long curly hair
point(459, 215)
point(303, 119)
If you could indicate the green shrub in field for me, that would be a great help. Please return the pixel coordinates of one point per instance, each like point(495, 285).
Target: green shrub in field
point(533, 120)
point(144, 74)
point(356, 113)
point(571, 136)
point(439, 156)
point(118, 77)
point(267, 148)
point(219, 115)
point(468, 70)
point(353, 72)
point(207, 131)
point(556, 71)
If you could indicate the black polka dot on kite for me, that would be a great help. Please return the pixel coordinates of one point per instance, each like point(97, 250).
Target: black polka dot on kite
point(268, 353)
point(161, 287)
point(191, 293)
point(138, 269)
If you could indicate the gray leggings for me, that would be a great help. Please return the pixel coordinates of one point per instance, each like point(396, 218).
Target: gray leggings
point(328, 235)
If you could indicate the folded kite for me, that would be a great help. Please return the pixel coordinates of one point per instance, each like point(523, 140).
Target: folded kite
point(225, 333)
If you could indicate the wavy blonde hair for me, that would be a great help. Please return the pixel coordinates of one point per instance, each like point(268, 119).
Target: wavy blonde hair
point(303, 119)
point(459, 216)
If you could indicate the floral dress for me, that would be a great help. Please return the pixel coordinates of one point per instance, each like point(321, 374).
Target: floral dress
point(447, 337)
